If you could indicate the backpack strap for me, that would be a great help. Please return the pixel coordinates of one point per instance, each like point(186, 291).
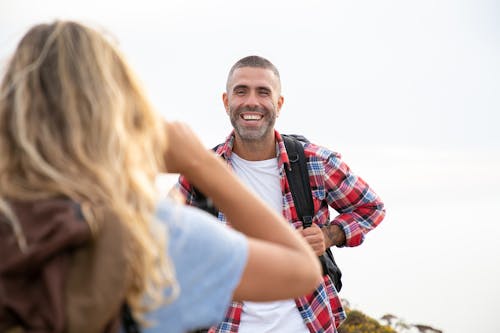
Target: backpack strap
point(298, 179)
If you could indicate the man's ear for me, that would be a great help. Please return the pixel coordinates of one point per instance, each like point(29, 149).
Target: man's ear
point(225, 100)
point(281, 100)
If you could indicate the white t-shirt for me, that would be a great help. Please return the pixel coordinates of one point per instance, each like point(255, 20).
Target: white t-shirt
point(281, 316)
point(209, 259)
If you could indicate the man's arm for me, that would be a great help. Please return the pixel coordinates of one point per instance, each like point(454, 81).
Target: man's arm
point(334, 235)
point(360, 208)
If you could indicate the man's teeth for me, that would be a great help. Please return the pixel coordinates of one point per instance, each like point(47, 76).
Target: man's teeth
point(251, 117)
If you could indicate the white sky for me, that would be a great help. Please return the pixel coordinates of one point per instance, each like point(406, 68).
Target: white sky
point(407, 91)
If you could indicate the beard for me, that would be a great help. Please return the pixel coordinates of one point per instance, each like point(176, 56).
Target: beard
point(252, 133)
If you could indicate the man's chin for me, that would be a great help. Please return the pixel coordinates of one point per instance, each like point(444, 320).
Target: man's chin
point(246, 135)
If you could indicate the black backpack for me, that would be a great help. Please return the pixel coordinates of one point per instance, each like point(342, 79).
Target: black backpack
point(298, 178)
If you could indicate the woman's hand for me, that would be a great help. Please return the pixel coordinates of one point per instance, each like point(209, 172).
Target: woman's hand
point(185, 152)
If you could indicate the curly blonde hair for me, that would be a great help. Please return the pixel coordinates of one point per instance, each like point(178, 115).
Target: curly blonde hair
point(75, 122)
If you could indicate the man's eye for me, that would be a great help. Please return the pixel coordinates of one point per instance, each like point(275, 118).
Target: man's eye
point(264, 92)
point(239, 92)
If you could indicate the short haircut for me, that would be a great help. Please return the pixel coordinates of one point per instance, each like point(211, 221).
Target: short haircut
point(253, 61)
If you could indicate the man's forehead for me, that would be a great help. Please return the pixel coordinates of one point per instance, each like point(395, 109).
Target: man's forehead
point(251, 76)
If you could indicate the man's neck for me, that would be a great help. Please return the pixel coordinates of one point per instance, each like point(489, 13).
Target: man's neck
point(255, 150)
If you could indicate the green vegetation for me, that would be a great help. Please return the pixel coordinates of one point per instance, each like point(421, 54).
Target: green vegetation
point(358, 322)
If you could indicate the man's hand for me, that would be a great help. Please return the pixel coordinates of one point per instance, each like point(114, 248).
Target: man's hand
point(315, 237)
point(334, 235)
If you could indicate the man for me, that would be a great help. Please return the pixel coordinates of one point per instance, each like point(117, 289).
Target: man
point(256, 152)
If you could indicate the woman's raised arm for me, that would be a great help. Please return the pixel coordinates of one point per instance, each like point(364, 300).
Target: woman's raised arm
point(280, 263)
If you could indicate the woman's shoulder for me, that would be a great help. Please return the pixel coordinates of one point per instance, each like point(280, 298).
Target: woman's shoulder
point(182, 220)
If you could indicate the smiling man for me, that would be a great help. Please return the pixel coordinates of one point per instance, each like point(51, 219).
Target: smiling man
point(257, 154)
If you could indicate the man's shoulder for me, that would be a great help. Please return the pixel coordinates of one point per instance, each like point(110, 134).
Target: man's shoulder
point(219, 148)
point(225, 147)
point(312, 149)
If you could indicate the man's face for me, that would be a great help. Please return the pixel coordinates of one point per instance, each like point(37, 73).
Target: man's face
point(253, 102)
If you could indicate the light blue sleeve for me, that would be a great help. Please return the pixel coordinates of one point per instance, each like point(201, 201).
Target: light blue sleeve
point(209, 259)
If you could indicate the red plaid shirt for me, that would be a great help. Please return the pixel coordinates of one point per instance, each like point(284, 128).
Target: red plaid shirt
point(332, 185)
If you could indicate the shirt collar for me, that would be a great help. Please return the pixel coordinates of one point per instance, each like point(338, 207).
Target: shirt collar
point(226, 149)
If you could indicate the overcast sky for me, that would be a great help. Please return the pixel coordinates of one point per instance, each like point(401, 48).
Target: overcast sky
point(407, 91)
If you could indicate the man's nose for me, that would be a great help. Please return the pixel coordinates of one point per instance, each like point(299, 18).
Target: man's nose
point(252, 100)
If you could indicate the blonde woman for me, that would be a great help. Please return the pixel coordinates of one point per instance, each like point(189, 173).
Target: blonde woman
point(83, 234)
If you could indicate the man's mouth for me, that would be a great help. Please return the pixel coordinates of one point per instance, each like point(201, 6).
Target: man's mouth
point(251, 116)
